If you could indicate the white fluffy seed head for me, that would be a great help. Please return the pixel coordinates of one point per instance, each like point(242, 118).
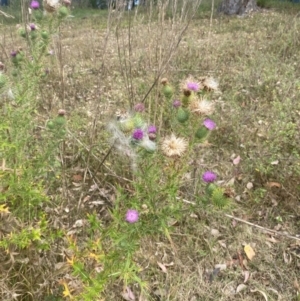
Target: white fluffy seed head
point(173, 146)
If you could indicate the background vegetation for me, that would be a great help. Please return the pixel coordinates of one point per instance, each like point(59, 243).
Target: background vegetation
point(65, 186)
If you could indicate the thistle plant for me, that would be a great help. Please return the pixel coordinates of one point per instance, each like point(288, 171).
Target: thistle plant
point(159, 163)
point(214, 193)
point(28, 147)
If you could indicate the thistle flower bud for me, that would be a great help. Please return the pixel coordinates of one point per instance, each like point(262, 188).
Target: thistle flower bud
point(38, 15)
point(60, 120)
point(66, 3)
point(210, 188)
point(50, 125)
point(202, 133)
point(16, 57)
point(186, 98)
point(218, 198)
point(139, 107)
point(182, 115)
point(138, 121)
point(152, 136)
point(168, 91)
point(22, 32)
point(187, 92)
point(45, 34)
point(61, 112)
point(164, 81)
point(126, 125)
point(63, 12)
point(33, 35)
point(176, 103)
point(32, 26)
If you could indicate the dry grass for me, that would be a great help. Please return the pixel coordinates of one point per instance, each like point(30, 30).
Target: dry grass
point(255, 60)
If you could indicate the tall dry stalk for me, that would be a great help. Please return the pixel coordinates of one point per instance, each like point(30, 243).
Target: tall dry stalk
point(148, 40)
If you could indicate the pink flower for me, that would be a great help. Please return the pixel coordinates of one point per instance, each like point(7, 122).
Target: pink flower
point(209, 177)
point(193, 86)
point(132, 216)
point(139, 107)
point(176, 103)
point(151, 129)
point(209, 124)
point(34, 4)
point(138, 134)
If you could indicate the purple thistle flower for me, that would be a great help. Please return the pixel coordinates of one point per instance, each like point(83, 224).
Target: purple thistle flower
point(152, 129)
point(176, 103)
point(209, 177)
point(32, 26)
point(209, 124)
point(34, 4)
point(14, 53)
point(139, 107)
point(132, 216)
point(138, 134)
point(193, 86)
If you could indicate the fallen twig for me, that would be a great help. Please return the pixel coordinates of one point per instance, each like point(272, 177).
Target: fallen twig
point(6, 15)
point(263, 228)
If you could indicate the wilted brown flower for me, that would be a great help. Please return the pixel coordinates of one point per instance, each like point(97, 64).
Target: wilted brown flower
point(51, 6)
point(201, 107)
point(66, 3)
point(210, 84)
point(164, 81)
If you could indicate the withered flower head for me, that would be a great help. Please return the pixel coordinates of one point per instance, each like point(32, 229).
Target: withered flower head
point(173, 146)
point(164, 81)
